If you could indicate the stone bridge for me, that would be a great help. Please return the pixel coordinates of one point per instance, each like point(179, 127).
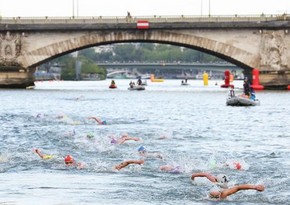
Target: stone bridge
point(260, 42)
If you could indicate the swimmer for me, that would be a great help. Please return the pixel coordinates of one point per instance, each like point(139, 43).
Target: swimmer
point(238, 165)
point(99, 121)
point(42, 156)
point(222, 191)
point(123, 139)
point(69, 161)
point(222, 194)
point(144, 153)
point(128, 162)
point(220, 180)
point(171, 169)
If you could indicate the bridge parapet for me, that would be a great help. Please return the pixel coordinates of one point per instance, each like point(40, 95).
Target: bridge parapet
point(152, 19)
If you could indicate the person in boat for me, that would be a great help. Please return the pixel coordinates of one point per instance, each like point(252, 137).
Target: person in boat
point(123, 139)
point(126, 163)
point(139, 82)
point(185, 80)
point(113, 82)
point(253, 94)
point(99, 121)
point(222, 191)
point(131, 84)
point(182, 82)
point(246, 86)
point(232, 92)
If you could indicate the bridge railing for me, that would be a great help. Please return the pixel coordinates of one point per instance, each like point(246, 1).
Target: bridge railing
point(152, 19)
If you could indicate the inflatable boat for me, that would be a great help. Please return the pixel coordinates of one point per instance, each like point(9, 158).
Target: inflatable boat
point(136, 87)
point(242, 101)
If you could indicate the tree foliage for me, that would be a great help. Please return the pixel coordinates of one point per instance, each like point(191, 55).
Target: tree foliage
point(130, 52)
point(150, 52)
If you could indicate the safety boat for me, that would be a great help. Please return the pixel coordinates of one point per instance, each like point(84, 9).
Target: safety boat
point(136, 87)
point(242, 100)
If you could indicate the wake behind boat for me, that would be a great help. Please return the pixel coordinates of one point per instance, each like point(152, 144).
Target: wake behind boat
point(242, 100)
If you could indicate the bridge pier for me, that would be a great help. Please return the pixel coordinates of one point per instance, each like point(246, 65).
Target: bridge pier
point(16, 77)
point(275, 80)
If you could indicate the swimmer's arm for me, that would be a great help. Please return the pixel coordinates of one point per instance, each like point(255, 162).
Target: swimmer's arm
point(121, 165)
point(202, 174)
point(98, 120)
point(37, 151)
point(135, 161)
point(126, 138)
point(126, 163)
point(237, 188)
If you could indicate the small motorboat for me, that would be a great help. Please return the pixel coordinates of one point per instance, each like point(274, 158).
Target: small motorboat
point(242, 100)
point(136, 87)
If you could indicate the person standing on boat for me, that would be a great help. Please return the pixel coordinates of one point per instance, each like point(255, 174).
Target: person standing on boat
point(246, 86)
point(131, 84)
point(232, 92)
point(139, 82)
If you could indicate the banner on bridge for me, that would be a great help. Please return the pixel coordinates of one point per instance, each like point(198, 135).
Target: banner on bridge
point(142, 24)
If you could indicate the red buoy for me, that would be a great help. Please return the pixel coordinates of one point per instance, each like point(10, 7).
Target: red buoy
point(227, 80)
point(255, 80)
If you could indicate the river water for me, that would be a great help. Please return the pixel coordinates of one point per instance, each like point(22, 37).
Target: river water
point(190, 126)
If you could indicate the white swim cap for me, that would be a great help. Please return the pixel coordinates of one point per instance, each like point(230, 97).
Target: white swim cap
point(222, 181)
point(221, 178)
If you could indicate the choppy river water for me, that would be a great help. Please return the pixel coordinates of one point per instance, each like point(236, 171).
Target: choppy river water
point(190, 126)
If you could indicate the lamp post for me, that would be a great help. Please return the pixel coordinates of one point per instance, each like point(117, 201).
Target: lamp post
point(208, 7)
point(77, 8)
point(73, 8)
point(200, 7)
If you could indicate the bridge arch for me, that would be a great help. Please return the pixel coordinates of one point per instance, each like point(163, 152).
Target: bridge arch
point(230, 53)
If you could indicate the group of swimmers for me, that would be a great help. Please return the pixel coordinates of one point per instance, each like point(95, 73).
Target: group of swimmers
point(220, 191)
